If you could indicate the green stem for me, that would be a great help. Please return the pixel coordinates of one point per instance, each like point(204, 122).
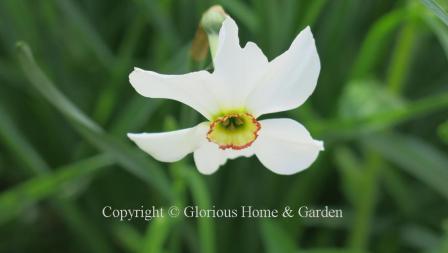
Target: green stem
point(365, 206)
point(375, 41)
point(199, 192)
point(161, 229)
point(402, 57)
point(213, 40)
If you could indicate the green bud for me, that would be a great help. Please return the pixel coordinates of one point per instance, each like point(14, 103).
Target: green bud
point(212, 19)
point(211, 22)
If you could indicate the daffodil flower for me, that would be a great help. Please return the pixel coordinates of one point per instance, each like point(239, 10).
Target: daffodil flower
point(243, 86)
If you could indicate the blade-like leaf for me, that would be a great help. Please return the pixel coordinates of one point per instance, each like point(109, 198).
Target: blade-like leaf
point(330, 251)
point(437, 9)
point(346, 128)
point(19, 145)
point(243, 13)
point(274, 238)
point(443, 131)
point(120, 151)
point(13, 201)
point(415, 157)
point(375, 42)
point(87, 33)
point(201, 197)
point(440, 30)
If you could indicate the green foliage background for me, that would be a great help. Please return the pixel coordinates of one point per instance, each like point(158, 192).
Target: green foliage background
point(381, 106)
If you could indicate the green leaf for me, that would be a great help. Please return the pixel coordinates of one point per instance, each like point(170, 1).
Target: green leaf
point(400, 189)
point(158, 18)
point(444, 244)
point(19, 146)
point(25, 154)
point(161, 229)
point(365, 98)
point(415, 157)
point(199, 191)
point(440, 30)
point(128, 236)
point(443, 131)
point(351, 174)
point(402, 55)
point(87, 32)
point(120, 151)
point(421, 238)
point(156, 235)
point(314, 10)
point(13, 201)
point(242, 12)
point(437, 9)
point(49, 91)
point(274, 238)
point(366, 201)
point(108, 98)
point(375, 42)
point(331, 251)
point(134, 114)
point(351, 127)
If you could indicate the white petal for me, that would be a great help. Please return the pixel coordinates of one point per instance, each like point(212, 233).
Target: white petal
point(290, 78)
point(195, 89)
point(237, 68)
point(171, 146)
point(285, 147)
point(246, 152)
point(208, 158)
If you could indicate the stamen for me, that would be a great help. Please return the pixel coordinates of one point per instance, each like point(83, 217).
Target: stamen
point(234, 131)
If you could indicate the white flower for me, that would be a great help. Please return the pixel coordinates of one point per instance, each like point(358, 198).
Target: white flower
point(243, 86)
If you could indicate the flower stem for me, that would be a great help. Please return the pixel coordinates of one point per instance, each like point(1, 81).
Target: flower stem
point(402, 56)
point(213, 43)
point(365, 205)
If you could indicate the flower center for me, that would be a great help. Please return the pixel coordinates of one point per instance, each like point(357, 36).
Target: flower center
point(234, 131)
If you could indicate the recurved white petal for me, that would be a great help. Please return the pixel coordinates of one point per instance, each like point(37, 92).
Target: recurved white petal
point(289, 79)
point(285, 147)
point(237, 68)
point(196, 89)
point(246, 152)
point(171, 146)
point(208, 158)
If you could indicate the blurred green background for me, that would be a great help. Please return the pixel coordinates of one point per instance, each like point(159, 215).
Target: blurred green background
point(381, 107)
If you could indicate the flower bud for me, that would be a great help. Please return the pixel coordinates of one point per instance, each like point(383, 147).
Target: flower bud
point(212, 19)
point(211, 23)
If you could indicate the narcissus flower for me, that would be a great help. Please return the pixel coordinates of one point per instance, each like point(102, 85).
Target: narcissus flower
point(243, 86)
